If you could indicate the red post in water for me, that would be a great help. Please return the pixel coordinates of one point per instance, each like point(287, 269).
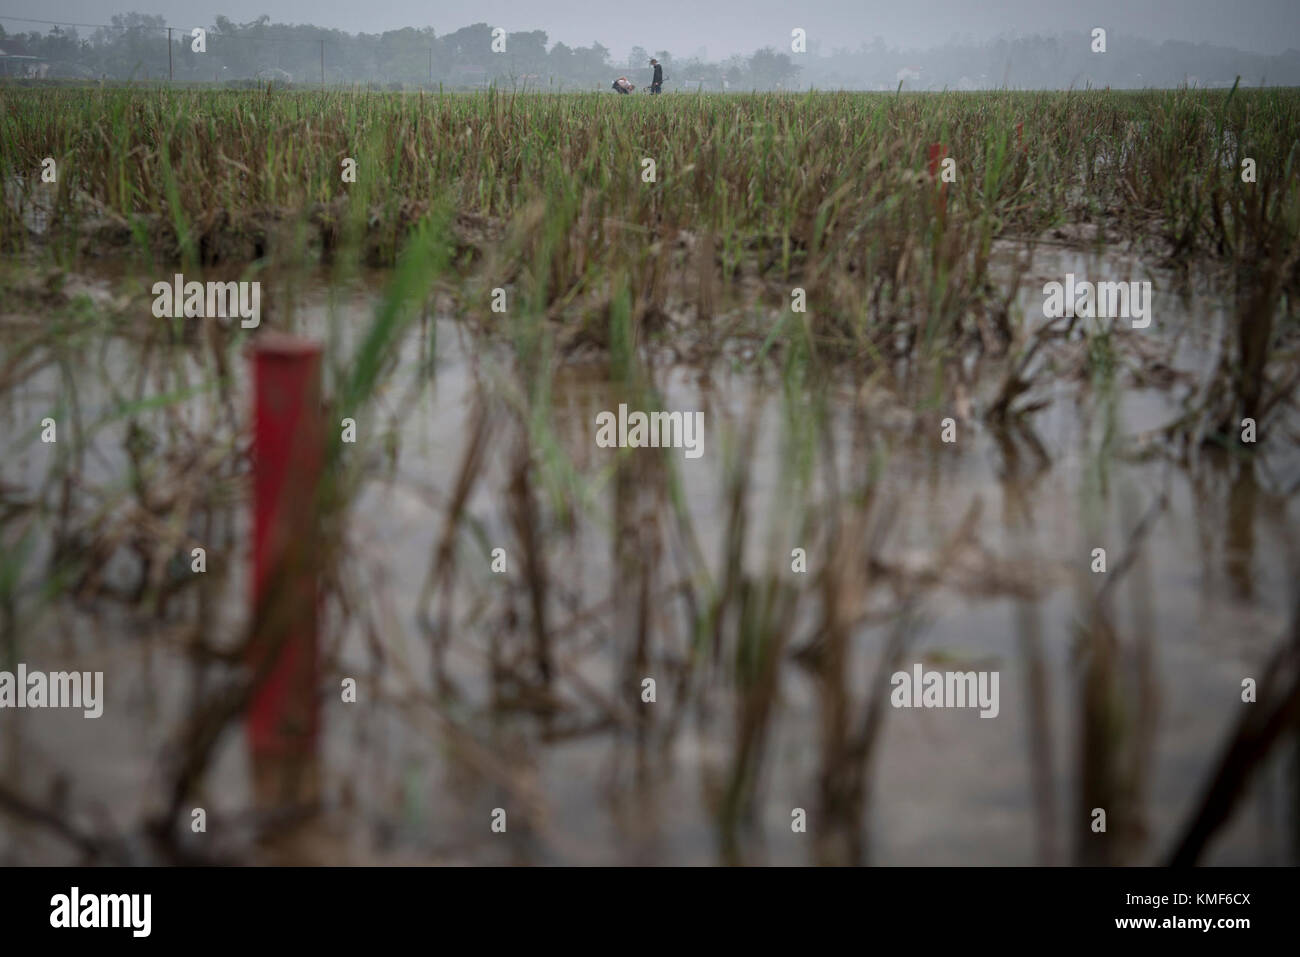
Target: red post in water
point(288, 444)
point(936, 154)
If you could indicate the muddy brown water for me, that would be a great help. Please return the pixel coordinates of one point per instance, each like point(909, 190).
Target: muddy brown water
point(412, 772)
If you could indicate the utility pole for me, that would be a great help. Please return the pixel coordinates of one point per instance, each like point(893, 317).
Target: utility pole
point(322, 61)
point(169, 55)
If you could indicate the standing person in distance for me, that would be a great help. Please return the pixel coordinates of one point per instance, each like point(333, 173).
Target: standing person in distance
point(657, 81)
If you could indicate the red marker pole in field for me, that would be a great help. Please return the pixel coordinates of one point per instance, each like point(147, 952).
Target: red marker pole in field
point(288, 444)
point(936, 154)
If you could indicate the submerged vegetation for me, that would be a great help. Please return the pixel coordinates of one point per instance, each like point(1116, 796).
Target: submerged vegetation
point(751, 197)
point(824, 433)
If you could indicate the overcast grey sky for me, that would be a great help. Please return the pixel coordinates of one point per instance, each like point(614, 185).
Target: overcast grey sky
point(723, 27)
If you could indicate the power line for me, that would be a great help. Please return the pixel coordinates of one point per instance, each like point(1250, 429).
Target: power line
point(64, 23)
point(279, 38)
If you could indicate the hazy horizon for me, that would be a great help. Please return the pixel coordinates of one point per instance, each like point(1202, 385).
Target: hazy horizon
point(728, 27)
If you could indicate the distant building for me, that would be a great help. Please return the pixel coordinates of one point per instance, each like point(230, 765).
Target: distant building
point(908, 74)
point(463, 74)
point(25, 67)
point(275, 75)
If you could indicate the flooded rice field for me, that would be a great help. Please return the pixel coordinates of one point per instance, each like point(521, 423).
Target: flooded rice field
point(500, 586)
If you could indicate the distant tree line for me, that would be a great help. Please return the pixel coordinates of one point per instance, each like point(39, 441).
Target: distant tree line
point(1059, 62)
point(135, 47)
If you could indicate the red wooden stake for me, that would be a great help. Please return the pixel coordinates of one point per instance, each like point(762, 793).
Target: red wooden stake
point(288, 442)
point(936, 154)
point(1020, 135)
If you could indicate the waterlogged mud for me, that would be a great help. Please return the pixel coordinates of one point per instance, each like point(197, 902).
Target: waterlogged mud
point(524, 689)
point(227, 239)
